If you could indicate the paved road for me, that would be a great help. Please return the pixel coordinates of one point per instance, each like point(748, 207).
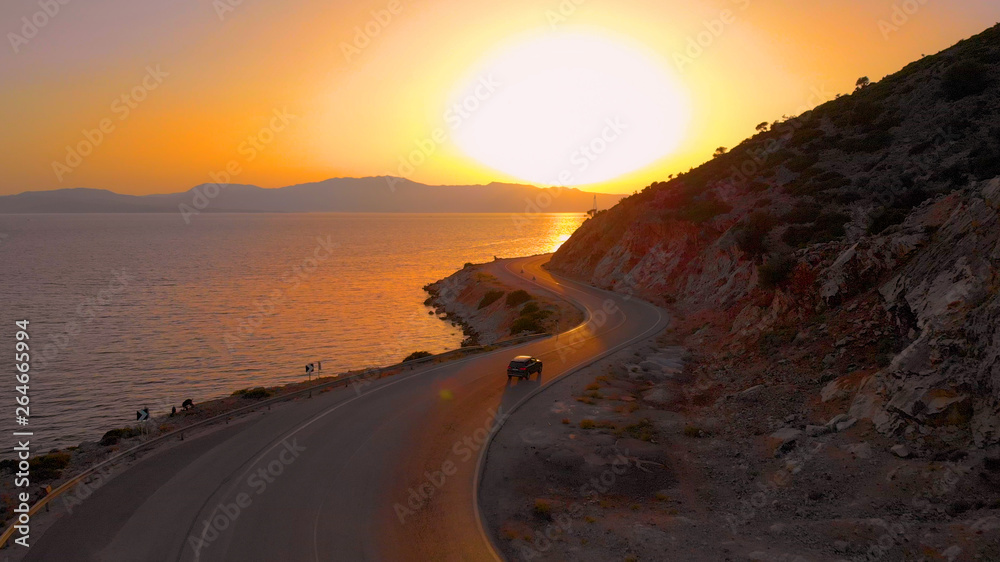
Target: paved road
point(386, 473)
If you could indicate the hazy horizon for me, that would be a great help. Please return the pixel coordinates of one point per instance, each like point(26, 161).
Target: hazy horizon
point(152, 112)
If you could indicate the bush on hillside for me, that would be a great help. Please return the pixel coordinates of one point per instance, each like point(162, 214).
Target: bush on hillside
point(489, 298)
point(824, 228)
point(518, 298)
point(776, 271)
point(417, 355)
point(802, 213)
point(704, 210)
point(865, 113)
point(872, 142)
point(256, 393)
point(113, 436)
point(802, 162)
point(526, 324)
point(751, 238)
point(984, 162)
point(48, 467)
point(965, 78)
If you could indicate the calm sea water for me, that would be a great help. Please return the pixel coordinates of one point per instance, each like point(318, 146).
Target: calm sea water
point(129, 311)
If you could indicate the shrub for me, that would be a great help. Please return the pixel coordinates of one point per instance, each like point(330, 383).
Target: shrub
point(526, 324)
point(802, 162)
point(542, 509)
point(529, 308)
point(872, 142)
point(587, 424)
point(776, 271)
point(776, 338)
point(704, 210)
point(984, 162)
point(797, 236)
point(826, 227)
point(255, 393)
point(417, 355)
point(885, 218)
point(692, 431)
point(805, 136)
point(489, 298)
point(830, 226)
point(48, 467)
point(865, 113)
point(802, 213)
point(643, 430)
point(965, 78)
point(517, 298)
point(112, 437)
point(751, 237)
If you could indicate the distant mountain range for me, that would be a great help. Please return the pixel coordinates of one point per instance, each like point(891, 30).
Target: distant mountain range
point(346, 195)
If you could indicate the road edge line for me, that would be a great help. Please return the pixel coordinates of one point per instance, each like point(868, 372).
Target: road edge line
point(481, 462)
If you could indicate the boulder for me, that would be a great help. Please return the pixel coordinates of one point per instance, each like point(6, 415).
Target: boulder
point(784, 439)
point(900, 451)
point(659, 396)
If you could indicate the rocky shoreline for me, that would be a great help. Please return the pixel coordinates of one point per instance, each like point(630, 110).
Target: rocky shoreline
point(490, 312)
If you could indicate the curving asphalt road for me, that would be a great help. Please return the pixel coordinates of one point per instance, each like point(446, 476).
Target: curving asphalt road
point(384, 472)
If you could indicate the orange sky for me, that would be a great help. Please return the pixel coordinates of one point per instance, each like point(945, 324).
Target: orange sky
point(208, 83)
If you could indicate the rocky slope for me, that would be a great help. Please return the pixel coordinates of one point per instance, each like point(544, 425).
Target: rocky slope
point(490, 311)
point(876, 212)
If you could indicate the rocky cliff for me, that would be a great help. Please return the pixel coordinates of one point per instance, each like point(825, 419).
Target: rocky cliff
point(888, 197)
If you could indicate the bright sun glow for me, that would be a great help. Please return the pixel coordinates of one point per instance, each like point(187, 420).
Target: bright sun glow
point(568, 109)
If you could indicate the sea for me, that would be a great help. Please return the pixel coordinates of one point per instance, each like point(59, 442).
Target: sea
point(130, 311)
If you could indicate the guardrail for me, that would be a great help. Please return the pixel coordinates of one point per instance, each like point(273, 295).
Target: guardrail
point(69, 484)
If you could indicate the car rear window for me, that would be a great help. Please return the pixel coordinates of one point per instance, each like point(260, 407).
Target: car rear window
point(518, 364)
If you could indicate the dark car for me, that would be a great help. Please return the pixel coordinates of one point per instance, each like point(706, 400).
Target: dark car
point(523, 366)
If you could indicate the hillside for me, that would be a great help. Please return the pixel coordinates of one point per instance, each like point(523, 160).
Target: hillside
point(850, 250)
point(345, 195)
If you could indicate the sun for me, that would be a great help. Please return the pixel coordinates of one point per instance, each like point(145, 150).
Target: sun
point(569, 108)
